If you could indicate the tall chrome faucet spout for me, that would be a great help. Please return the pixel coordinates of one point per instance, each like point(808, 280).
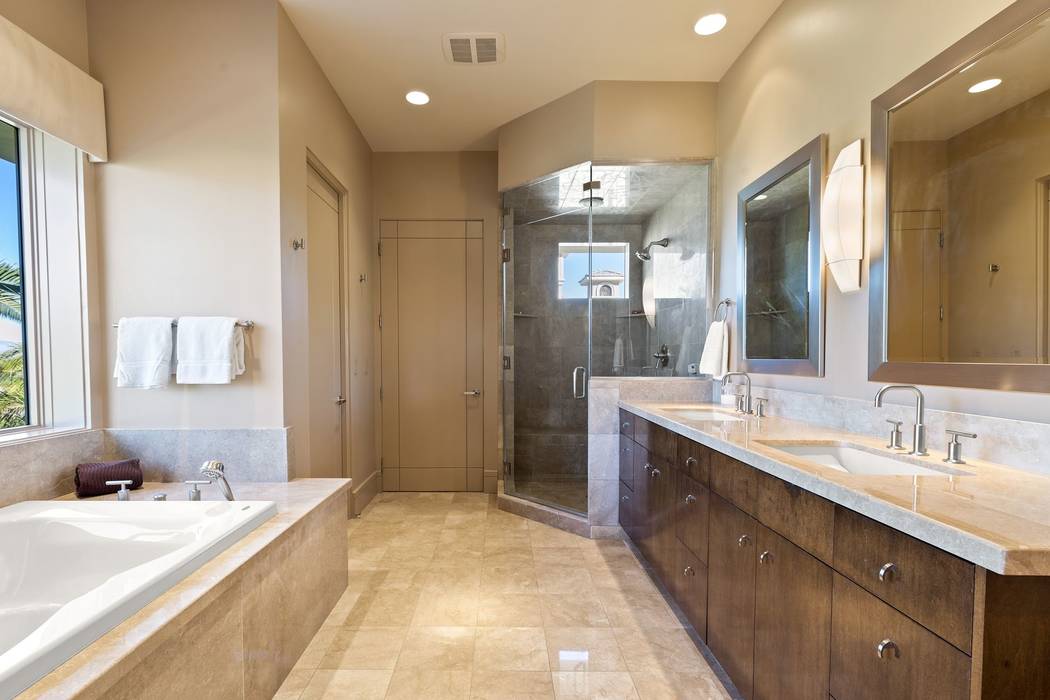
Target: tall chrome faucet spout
point(745, 406)
point(918, 445)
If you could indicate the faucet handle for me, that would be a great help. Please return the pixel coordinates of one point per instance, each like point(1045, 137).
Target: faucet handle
point(195, 494)
point(955, 447)
point(123, 493)
point(760, 406)
point(896, 437)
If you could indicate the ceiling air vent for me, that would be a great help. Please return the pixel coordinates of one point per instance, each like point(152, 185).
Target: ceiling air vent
point(473, 49)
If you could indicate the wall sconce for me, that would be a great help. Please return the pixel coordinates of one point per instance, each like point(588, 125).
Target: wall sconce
point(842, 217)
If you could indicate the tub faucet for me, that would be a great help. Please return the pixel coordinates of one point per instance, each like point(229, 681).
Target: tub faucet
point(918, 442)
point(216, 470)
point(745, 402)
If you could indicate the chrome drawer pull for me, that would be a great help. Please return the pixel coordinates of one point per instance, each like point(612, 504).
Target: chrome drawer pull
point(690, 462)
point(647, 467)
point(887, 571)
point(625, 426)
point(765, 557)
point(654, 473)
point(689, 571)
point(625, 498)
point(690, 499)
point(742, 541)
point(885, 644)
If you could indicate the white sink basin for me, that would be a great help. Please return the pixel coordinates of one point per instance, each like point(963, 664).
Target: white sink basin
point(856, 461)
point(701, 414)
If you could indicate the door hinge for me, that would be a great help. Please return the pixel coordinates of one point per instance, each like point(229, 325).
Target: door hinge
point(380, 393)
point(379, 249)
point(505, 254)
point(940, 312)
point(940, 239)
point(380, 321)
point(506, 362)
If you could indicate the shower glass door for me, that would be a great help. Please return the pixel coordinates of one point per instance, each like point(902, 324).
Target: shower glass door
point(548, 281)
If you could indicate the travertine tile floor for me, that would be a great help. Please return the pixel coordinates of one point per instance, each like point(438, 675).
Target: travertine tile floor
point(450, 597)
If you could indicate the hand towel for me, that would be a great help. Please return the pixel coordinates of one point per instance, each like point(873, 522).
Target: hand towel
point(715, 358)
point(144, 348)
point(210, 350)
point(90, 478)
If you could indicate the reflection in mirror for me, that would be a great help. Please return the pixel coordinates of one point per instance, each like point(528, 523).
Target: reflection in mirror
point(777, 238)
point(969, 192)
point(779, 312)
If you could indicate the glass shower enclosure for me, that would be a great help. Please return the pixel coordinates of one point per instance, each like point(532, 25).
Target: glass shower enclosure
point(605, 273)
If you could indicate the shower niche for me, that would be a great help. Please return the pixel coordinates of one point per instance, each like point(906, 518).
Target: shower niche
point(606, 274)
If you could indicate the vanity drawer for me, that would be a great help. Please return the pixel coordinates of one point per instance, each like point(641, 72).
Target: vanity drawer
point(927, 584)
point(627, 461)
point(798, 515)
point(626, 423)
point(662, 443)
point(914, 663)
point(694, 459)
point(734, 481)
point(642, 431)
point(689, 586)
point(692, 501)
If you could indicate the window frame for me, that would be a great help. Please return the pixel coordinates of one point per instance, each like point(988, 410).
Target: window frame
point(589, 250)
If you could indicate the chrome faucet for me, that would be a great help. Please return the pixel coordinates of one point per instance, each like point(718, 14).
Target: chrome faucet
point(918, 442)
point(744, 407)
point(216, 471)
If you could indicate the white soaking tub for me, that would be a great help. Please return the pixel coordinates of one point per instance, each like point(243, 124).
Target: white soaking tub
point(72, 570)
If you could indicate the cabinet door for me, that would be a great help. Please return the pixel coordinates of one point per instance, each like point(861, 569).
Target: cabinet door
point(641, 524)
point(627, 461)
point(691, 506)
point(690, 588)
point(731, 591)
point(626, 509)
point(661, 513)
point(792, 621)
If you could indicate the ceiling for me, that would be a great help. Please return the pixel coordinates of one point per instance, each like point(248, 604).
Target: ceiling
point(630, 193)
point(374, 51)
point(948, 108)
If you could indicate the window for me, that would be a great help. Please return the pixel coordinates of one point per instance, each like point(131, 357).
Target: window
point(14, 394)
point(600, 268)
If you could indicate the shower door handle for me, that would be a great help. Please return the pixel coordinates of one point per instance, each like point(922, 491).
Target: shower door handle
point(579, 391)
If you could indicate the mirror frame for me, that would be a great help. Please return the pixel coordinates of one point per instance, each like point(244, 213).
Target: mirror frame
point(814, 153)
point(1001, 376)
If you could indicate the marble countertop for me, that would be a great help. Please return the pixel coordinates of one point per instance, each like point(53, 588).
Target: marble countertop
point(142, 631)
point(993, 516)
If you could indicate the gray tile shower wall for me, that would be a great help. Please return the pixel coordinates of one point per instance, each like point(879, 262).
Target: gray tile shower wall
point(42, 468)
point(1014, 443)
point(250, 454)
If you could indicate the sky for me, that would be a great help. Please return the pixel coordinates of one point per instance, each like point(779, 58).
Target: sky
point(8, 212)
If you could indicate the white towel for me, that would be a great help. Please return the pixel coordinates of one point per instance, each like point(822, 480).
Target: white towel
point(210, 350)
point(143, 352)
point(715, 358)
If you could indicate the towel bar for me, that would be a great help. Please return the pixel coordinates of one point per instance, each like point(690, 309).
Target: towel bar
point(243, 324)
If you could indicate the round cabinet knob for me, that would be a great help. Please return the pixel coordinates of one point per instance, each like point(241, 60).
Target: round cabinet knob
point(742, 541)
point(625, 426)
point(689, 571)
point(647, 467)
point(887, 571)
point(690, 499)
point(765, 557)
point(625, 498)
point(654, 473)
point(887, 647)
point(690, 462)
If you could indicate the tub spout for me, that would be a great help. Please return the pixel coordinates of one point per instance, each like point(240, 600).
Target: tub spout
point(216, 470)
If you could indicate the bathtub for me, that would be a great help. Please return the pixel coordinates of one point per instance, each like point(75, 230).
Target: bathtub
point(72, 570)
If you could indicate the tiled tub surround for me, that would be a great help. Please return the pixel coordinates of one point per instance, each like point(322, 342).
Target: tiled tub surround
point(41, 468)
point(235, 627)
point(996, 517)
point(1017, 444)
point(603, 436)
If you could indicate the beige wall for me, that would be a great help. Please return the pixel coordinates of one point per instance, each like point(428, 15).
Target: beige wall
point(314, 123)
point(815, 67)
point(612, 121)
point(59, 24)
point(188, 205)
point(453, 186)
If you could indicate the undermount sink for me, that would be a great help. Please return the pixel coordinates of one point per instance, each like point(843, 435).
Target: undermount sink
point(700, 414)
point(856, 461)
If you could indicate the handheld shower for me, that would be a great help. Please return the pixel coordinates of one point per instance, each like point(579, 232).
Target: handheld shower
point(644, 253)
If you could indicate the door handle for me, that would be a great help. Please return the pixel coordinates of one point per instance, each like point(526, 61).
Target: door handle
point(339, 400)
point(475, 392)
point(578, 391)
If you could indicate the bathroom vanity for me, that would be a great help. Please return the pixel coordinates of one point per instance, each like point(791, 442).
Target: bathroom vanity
point(802, 577)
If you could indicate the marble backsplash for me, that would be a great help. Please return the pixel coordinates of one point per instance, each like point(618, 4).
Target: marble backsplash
point(41, 468)
point(1012, 443)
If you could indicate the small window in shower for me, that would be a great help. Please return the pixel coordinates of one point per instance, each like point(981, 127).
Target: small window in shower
point(600, 267)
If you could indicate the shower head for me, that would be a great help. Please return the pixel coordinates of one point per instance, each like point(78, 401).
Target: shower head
point(644, 253)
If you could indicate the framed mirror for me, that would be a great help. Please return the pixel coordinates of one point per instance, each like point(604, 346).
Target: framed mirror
point(959, 266)
point(781, 294)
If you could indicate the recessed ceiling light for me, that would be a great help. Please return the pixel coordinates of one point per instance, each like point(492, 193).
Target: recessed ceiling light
point(985, 85)
point(417, 97)
point(710, 24)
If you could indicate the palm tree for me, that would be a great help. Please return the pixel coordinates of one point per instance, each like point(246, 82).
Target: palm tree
point(12, 366)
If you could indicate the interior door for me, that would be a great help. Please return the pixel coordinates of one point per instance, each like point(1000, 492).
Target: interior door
point(328, 447)
point(431, 335)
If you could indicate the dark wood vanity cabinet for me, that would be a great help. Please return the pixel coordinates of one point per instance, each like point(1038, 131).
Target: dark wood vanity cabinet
point(800, 598)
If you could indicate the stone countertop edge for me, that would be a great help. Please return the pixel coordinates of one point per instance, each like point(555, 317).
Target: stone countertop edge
point(133, 640)
point(1003, 559)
